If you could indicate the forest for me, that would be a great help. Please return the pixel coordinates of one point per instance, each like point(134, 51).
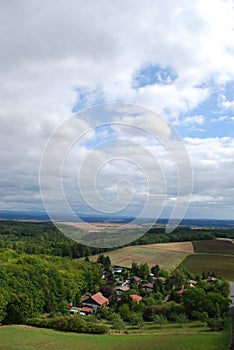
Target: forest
point(40, 275)
point(45, 238)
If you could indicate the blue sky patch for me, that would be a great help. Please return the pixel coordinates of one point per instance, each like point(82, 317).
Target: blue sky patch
point(154, 74)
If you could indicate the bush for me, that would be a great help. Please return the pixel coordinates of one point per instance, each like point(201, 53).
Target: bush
point(69, 324)
point(168, 310)
point(160, 320)
point(181, 319)
point(215, 324)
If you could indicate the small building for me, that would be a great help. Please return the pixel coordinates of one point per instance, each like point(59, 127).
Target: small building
point(74, 310)
point(211, 279)
point(121, 289)
point(136, 298)
point(192, 282)
point(86, 310)
point(148, 287)
point(134, 279)
point(95, 301)
point(182, 290)
point(117, 269)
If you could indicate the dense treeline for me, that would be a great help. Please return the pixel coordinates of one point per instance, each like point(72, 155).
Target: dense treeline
point(45, 238)
point(31, 285)
point(41, 238)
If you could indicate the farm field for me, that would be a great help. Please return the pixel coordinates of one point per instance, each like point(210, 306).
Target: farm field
point(29, 338)
point(167, 256)
point(216, 246)
point(222, 265)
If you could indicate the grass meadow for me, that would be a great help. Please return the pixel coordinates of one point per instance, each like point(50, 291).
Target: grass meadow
point(192, 337)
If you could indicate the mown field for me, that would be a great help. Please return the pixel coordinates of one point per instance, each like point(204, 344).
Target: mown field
point(167, 256)
point(198, 256)
point(221, 265)
point(29, 338)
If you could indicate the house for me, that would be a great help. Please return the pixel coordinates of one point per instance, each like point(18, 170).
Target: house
point(74, 310)
point(148, 287)
point(106, 275)
point(211, 279)
point(136, 298)
point(95, 301)
point(192, 282)
point(162, 279)
point(133, 279)
point(182, 290)
point(121, 289)
point(85, 310)
point(117, 269)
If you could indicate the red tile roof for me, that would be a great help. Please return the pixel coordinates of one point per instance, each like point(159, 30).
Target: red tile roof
point(148, 285)
point(97, 298)
point(135, 297)
point(182, 290)
point(86, 309)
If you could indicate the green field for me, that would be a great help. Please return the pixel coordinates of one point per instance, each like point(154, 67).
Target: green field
point(170, 255)
point(152, 255)
point(221, 265)
point(29, 338)
point(217, 246)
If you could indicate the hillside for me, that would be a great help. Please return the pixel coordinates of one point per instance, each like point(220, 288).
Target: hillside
point(198, 256)
point(166, 255)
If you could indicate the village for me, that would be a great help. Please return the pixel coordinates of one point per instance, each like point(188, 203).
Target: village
point(147, 293)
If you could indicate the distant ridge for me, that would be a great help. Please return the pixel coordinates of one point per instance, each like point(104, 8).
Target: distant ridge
point(42, 216)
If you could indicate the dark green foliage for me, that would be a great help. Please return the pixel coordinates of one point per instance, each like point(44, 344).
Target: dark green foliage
point(181, 319)
point(117, 322)
point(32, 284)
point(215, 324)
point(69, 324)
point(105, 261)
point(136, 320)
point(160, 320)
point(142, 270)
point(214, 246)
point(167, 309)
point(203, 299)
point(41, 238)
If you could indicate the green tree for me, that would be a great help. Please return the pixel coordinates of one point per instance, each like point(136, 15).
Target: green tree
point(193, 299)
point(125, 312)
point(117, 322)
point(160, 320)
point(203, 317)
point(181, 319)
point(144, 271)
point(136, 320)
point(155, 269)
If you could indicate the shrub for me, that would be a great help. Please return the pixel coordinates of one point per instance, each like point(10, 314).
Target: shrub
point(69, 324)
point(215, 324)
point(160, 320)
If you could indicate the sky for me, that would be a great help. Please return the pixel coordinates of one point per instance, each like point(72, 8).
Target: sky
point(172, 58)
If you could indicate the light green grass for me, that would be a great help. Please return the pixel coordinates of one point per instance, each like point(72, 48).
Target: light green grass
point(28, 338)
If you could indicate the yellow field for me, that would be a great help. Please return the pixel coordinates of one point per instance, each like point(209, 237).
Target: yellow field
point(167, 255)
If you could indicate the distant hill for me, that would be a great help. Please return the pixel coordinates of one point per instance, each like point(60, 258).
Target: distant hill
point(43, 216)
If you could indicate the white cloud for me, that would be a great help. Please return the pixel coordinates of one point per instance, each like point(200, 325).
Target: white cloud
point(56, 54)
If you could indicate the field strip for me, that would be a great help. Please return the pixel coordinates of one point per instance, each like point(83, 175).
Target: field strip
point(175, 246)
point(151, 254)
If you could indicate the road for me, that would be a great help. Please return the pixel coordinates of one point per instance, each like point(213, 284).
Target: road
point(232, 314)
